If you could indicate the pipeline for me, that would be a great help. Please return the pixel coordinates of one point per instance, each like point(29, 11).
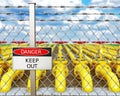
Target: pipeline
point(19, 45)
point(40, 74)
point(104, 70)
point(116, 67)
point(90, 48)
point(74, 49)
point(80, 47)
point(101, 52)
point(78, 51)
point(72, 57)
point(8, 78)
point(60, 55)
point(115, 64)
point(109, 51)
point(89, 53)
point(60, 71)
point(53, 47)
point(4, 65)
point(111, 47)
point(1, 66)
point(81, 71)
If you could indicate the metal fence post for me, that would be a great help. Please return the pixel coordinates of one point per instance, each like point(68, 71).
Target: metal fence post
point(32, 44)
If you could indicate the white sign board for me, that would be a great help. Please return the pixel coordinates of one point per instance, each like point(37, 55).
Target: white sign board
point(32, 58)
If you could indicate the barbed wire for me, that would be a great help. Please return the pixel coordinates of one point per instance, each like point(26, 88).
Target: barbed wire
point(14, 6)
point(39, 6)
point(77, 6)
point(58, 13)
point(54, 20)
point(55, 13)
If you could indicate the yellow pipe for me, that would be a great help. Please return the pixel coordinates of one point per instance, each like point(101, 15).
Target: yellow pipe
point(0, 51)
point(72, 57)
point(82, 71)
point(100, 52)
point(74, 49)
point(111, 47)
point(4, 66)
point(81, 52)
point(7, 57)
point(60, 55)
point(60, 60)
point(40, 74)
point(60, 71)
point(1, 72)
point(109, 56)
point(109, 51)
point(7, 79)
point(88, 58)
point(116, 67)
point(89, 53)
point(1, 61)
point(103, 70)
point(24, 45)
point(91, 48)
point(53, 47)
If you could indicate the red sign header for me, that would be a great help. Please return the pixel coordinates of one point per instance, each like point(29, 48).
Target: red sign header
point(30, 51)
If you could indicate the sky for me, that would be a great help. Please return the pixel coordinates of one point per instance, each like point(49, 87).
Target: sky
point(61, 29)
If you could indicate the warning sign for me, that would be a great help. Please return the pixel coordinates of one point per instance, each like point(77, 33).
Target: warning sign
point(32, 58)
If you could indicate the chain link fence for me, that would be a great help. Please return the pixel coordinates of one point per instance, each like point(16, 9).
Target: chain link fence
point(85, 49)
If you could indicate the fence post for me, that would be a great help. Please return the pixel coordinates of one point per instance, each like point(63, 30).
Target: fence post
point(32, 44)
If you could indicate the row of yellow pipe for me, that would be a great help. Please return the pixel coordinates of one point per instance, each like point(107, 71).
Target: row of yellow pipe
point(101, 52)
point(111, 47)
point(115, 65)
point(60, 71)
point(78, 52)
point(40, 74)
point(90, 48)
point(4, 66)
point(103, 70)
point(106, 50)
point(11, 75)
point(5, 59)
point(19, 45)
point(8, 78)
point(114, 84)
point(81, 70)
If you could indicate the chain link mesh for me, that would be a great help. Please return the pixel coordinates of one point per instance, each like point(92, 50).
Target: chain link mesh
point(85, 49)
